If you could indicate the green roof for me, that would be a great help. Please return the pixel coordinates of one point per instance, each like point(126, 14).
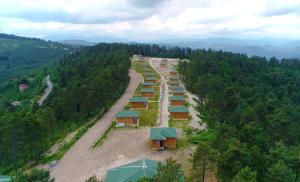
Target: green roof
point(162, 133)
point(128, 114)
point(150, 74)
point(178, 91)
point(5, 178)
point(173, 70)
point(176, 98)
point(150, 78)
point(173, 78)
point(138, 99)
point(147, 69)
point(148, 83)
point(147, 90)
point(132, 172)
point(176, 88)
point(181, 109)
point(174, 81)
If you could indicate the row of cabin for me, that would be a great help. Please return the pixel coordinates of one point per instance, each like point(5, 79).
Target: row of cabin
point(177, 110)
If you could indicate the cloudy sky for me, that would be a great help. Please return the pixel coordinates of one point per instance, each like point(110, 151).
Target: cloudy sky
point(151, 19)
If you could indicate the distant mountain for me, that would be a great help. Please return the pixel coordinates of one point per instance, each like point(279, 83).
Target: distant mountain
point(252, 47)
point(19, 55)
point(78, 42)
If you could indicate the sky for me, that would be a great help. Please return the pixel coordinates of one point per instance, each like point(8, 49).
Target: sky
point(135, 20)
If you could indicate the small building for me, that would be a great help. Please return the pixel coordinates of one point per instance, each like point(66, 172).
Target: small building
point(128, 117)
point(173, 78)
point(133, 171)
point(174, 83)
point(179, 112)
point(176, 100)
point(173, 73)
point(178, 92)
point(162, 138)
point(23, 87)
point(147, 92)
point(138, 103)
point(148, 85)
point(147, 70)
point(151, 79)
point(172, 88)
point(4, 178)
point(150, 74)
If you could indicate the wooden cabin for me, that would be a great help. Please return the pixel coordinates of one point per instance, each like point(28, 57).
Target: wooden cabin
point(148, 85)
point(147, 92)
point(174, 83)
point(150, 74)
point(176, 100)
point(163, 138)
point(128, 117)
point(138, 103)
point(179, 112)
point(173, 73)
point(147, 70)
point(172, 88)
point(173, 78)
point(178, 92)
point(151, 79)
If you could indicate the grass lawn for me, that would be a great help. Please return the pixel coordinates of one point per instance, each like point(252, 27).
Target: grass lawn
point(183, 124)
point(149, 117)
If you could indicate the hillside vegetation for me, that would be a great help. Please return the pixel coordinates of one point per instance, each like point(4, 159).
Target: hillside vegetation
point(19, 55)
point(86, 83)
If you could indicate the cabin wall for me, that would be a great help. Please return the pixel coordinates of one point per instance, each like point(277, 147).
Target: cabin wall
point(138, 105)
point(147, 94)
point(127, 120)
point(177, 102)
point(179, 115)
point(178, 94)
point(171, 142)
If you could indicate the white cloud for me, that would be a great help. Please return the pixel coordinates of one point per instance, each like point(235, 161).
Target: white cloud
point(147, 19)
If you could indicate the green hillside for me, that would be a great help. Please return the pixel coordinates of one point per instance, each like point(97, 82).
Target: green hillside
point(19, 55)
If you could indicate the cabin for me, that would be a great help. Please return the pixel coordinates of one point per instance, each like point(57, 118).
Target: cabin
point(179, 112)
point(151, 79)
point(173, 78)
point(172, 88)
point(173, 73)
point(138, 103)
point(132, 172)
point(178, 92)
point(174, 83)
point(147, 92)
point(147, 70)
point(176, 100)
point(163, 138)
point(148, 85)
point(150, 74)
point(128, 117)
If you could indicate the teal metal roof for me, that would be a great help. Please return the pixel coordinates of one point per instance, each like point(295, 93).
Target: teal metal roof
point(147, 69)
point(176, 88)
point(178, 91)
point(5, 178)
point(150, 78)
point(148, 90)
point(181, 109)
point(176, 98)
point(138, 99)
point(132, 172)
point(150, 74)
point(174, 82)
point(162, 133)
point(173, 78)
point(148, 83)
point(128, 114)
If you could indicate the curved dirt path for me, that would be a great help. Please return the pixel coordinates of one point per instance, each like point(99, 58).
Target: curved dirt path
point(81, 159)
point(47, 91)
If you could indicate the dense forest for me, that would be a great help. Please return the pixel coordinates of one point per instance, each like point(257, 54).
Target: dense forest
point(253, 106)
point(86, 83)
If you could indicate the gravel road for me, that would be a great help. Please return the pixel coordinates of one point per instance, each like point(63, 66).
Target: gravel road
point(81, 159)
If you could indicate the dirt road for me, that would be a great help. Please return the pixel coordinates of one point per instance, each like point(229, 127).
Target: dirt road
point(47, 91)
point(81, 159)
